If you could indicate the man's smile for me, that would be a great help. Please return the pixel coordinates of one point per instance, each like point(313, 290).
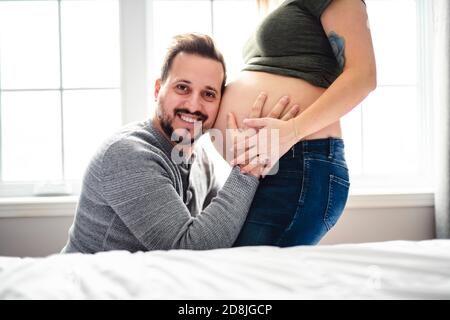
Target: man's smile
point(190, 118)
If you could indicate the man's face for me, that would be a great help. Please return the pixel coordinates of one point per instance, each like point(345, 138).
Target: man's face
point(189, 97)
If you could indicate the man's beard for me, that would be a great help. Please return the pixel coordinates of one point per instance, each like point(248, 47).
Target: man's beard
point(166, 124)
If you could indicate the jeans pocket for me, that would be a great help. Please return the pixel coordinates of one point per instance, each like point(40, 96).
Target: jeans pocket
point(337, 198)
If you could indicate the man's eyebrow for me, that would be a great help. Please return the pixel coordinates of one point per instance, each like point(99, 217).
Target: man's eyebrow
point(211, 88)
point(183, 80)
point(189, 82)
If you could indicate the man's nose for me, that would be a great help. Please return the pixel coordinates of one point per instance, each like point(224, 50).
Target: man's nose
point(193, 103)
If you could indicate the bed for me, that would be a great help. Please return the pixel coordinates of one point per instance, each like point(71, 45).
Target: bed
point(383, 270)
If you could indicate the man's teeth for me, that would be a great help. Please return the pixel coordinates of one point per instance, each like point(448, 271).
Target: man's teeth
point(188, 119)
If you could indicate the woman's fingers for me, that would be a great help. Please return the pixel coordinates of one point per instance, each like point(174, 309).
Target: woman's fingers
point(292, 113)
point(257, 123)
point(258, 105)
point(277, 111)
point(231, 121)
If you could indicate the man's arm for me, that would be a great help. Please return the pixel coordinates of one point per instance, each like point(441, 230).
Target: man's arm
point(144, 196)
point(214, 185)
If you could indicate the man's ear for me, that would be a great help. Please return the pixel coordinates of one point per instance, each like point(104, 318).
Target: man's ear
point(157, 87)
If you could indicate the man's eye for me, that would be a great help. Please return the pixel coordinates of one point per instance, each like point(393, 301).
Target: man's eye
point(209, 95)
point(182, 88)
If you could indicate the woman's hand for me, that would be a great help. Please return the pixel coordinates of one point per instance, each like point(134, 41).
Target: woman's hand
point(275, 137)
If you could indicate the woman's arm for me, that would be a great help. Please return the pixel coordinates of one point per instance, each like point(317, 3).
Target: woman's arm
point(346, 24)
point(345, 21)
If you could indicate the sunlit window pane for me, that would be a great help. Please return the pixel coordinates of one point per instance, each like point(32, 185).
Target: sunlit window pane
point(175, 17)
point(31, 136)
point(352, 134)
point(391, 131)
point(90, 116)
point(234, 22)
point(394, 32)
point(91, 42)
point(381, 136)
point(29, 45)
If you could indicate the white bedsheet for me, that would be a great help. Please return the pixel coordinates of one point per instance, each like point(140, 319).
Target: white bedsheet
point(384, 270)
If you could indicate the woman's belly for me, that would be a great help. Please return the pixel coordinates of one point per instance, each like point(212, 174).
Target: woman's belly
point(241, 93)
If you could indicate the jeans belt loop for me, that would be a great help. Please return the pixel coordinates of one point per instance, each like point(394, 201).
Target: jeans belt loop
point(331, 148)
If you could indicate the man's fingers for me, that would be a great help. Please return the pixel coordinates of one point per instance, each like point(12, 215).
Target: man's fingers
point(245, 157)
point(249, 142)
point(292, 113)
point(231, 121)
point(251, 166)
point(258, 105)
point(277, 111)
point(240, 140)
point(254, 170)
point(266, 170)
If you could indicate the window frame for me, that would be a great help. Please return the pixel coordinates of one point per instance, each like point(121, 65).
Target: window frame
point(62, 187)
point(136, 31)
point(379, 184)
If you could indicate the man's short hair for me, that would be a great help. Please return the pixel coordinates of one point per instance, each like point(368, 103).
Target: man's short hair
point(193, 43)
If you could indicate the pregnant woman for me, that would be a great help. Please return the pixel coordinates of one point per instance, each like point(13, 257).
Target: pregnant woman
point(320, 54)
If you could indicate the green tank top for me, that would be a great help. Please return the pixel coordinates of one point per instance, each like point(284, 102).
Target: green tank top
point(291, 42)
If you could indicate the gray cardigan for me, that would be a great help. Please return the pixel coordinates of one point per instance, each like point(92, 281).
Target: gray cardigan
point(135, 198)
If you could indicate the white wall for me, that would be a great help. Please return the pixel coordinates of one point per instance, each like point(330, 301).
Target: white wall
point(41, 236)
point(382, 224)
point(34, 237)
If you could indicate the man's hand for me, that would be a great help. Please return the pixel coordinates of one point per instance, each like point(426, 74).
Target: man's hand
point(246, 141)
point(234, 136)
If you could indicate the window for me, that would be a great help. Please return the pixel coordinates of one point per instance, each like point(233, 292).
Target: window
point(59, 91)
point(209, 17)
point(388, 137)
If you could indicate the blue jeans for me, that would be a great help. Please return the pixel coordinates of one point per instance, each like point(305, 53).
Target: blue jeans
point(303, 201)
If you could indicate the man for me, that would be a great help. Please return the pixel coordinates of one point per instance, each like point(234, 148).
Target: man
point(135, 197)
